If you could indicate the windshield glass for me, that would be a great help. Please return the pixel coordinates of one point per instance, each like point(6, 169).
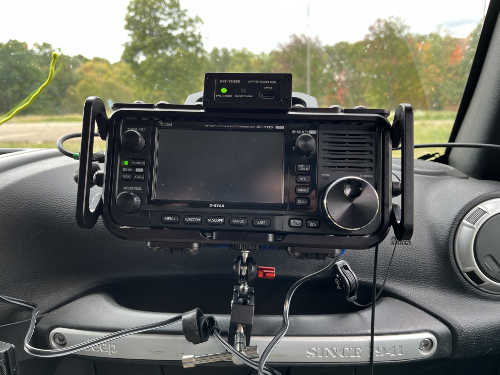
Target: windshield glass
point(376, 54)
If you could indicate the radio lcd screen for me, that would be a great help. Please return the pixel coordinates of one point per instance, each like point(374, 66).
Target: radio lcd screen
point(219, 166)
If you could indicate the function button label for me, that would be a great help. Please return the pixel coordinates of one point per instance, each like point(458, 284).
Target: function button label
point(137, 163)
point(128, 169)
point(238, 221)
point(303, 167)
point(295, 223)
point(126, 177)
point(260, 222)
point(170, 219)
point(302, 190)
point(302, 202)
point(139, 177)
point(215, 220)
point(302, 178)
point(312, 223)
point(192, 219)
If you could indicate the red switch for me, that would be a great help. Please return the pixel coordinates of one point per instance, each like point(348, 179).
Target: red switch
point(266, 273)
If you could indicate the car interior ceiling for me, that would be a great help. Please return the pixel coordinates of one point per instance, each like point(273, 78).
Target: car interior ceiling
point(90, 281)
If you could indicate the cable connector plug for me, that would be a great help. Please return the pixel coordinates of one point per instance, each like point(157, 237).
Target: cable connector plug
point(346, 280)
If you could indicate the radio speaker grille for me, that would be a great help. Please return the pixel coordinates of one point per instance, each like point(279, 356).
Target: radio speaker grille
point(350, 152)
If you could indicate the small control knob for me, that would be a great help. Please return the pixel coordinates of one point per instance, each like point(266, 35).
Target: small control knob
point(350, 203)
point(128, 202)
point(133, 141)
point(305, 145)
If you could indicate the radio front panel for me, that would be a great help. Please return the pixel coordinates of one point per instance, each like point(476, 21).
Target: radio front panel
point(278, 173)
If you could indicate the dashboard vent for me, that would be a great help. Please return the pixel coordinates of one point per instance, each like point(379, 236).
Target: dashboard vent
point(474, 277)
point(350, 152)
point(475, 216)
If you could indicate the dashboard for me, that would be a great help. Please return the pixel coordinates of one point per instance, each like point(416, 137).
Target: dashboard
point(94, 281)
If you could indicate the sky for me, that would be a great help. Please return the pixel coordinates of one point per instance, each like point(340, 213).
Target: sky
point(96, 27)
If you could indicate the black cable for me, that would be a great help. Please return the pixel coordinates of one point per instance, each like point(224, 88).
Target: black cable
point(51, 353)
point(45, 353)
point(464, 145)
point(385, 279)
point(97, 156)
point(374, 298)
point(63, 139)
point(242, 357)
point(262, 369)
point(286, 322)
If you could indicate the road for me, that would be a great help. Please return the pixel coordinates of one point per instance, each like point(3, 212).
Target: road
point(37, 131)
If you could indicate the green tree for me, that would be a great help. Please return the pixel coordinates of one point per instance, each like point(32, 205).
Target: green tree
point(391, 76)
point(23, 70)
point(292, 58)
point(111, 82)
point(166, 50)
point(347, 81)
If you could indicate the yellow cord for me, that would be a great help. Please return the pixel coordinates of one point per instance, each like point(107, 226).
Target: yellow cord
point(38, 92)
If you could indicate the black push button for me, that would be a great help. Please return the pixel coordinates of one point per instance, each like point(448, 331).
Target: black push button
point(139, 177)
point(260, 222)
point(302, 178)
point(215, 220)
point(192, 219)
point(302, 190)
point(128, 169)
point(303, 167)
point(137, 163)
point(302, 201)
point(238, 221)
point(126, 177)
point(170, 219)
point(139, 170)
point(295, 223)
point(312, 223)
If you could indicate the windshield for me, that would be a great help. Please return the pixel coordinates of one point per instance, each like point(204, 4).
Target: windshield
point(375, 54)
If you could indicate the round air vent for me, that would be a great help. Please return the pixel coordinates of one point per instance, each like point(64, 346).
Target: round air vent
point(477, 249)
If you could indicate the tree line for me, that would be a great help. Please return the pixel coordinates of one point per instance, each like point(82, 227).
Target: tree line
point(165, 60)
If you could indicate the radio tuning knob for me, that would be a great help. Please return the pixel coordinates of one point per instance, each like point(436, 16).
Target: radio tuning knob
point(305, 145)
point(128, 202)
point(350, 203)
point(133, 141)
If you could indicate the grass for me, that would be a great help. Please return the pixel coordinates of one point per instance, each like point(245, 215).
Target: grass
point(73, 146)
point(35, 118)
point(430, 127)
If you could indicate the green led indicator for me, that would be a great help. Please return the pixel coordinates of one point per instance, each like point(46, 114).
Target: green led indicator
point(125, 162)
point(223, 90)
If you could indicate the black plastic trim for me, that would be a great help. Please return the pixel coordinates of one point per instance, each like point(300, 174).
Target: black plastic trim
point(489, 24)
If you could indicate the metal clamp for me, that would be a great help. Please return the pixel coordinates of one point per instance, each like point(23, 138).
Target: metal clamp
point(239, 345)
